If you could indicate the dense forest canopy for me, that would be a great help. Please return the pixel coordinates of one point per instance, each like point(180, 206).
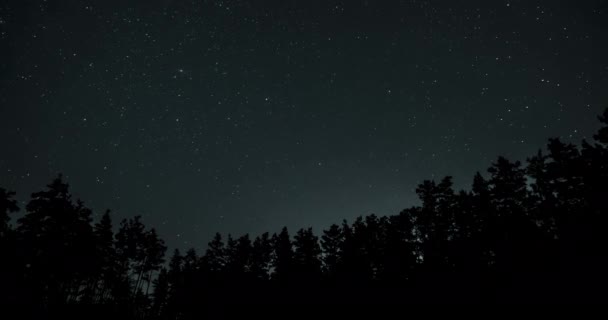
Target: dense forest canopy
point(524, 232)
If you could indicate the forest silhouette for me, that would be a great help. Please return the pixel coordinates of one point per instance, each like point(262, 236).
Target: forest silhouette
point(524, 233)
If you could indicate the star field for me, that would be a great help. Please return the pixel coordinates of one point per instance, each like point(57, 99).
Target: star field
point(244, 116)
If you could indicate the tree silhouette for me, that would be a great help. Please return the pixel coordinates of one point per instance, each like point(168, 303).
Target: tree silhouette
point(239, 257)
point(153, 257)
point(58, 245)
point(307, 257)
point(332, 242)
point(106, 258)
point(397, 259)
point(161, 294)
point(215, 257)
point(261, 255)
point(282, 257)
point(526, 233)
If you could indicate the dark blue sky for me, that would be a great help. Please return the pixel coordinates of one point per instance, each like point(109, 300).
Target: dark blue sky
point(244, 116)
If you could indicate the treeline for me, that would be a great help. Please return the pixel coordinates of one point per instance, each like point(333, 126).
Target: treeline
point(531, 232)
point(56, 257)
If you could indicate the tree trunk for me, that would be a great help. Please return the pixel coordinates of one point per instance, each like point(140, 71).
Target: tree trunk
point(149, 280)
point(141, 271)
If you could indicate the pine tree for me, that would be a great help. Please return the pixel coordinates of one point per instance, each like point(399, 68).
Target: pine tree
point(282, 256)
point(261, 256)
point(307, 255)
point(106, 257)
point(331, 243)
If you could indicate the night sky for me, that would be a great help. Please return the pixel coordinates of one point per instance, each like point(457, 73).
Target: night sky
point(245, 116)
